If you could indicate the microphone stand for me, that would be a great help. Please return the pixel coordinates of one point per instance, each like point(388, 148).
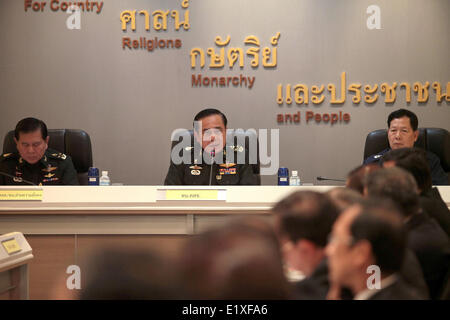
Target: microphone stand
point(213, 153)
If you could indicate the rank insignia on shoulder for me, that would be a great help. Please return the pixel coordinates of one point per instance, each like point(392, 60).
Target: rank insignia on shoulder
point(6, 155)
point(195, 172)
point(59, 155)
point(377, 156)
point(195, 167)
point(227, 165)
point(237, 148)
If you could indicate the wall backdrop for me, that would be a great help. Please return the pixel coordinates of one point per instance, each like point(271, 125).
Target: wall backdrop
point(131, 99)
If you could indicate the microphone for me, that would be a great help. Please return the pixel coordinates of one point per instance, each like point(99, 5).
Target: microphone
point(329, 179)
point(213, 153)
point(18, 179)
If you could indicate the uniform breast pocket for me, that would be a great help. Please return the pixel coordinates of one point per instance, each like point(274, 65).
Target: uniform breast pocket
point(229, 179)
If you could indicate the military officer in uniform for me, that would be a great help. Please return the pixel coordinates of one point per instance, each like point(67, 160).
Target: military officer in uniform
point(403, 133)
point(34, 163)
point(208, 163)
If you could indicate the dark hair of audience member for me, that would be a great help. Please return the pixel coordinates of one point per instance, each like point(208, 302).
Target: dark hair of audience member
point(397, 185)
point(236, 261)
point(343, 197)
point(306, 215)
point(355, 178)
point(130, 274)
point(381, 224)
point(413, 160)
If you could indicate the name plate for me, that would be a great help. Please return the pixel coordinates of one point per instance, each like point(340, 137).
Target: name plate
point(21, 195)
point(11, 246)
point(191, 194)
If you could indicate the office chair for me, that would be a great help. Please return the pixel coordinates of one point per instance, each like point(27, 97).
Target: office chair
point(73, 142)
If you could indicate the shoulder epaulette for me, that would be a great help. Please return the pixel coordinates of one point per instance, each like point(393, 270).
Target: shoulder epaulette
point(58, 155)
point(237, 148)
point(6, 156)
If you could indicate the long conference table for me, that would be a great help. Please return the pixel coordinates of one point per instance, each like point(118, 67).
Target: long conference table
point(66, 225)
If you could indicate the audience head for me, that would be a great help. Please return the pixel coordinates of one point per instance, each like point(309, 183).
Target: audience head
point(355, 178)
point(304, 222)
point(344, 198)
point(366, 234)
point(413, 160)
point(119, 274)
point(241, 260)
point(396, 185)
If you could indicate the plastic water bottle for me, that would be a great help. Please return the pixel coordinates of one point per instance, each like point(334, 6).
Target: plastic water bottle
point(294, 180)
point(104, 179)
point(93, 176)
point(283, 176)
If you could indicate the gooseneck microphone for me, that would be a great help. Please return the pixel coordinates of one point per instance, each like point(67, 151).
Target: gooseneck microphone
point(329, 179)
point(17, 179)
point(213, 153)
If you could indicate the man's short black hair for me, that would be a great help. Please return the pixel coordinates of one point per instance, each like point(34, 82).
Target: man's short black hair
point(397, 185)
point(400, 113)
point(380, 223)
point(28, 125)
point(413, 160)
point(209, 112)
point(307, 215)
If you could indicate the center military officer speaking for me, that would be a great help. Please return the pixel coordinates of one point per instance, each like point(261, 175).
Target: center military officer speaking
point(207, 163)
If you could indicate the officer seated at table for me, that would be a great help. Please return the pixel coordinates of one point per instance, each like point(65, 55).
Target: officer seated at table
point(208, 162)
point(35, 163)
point(403, 133)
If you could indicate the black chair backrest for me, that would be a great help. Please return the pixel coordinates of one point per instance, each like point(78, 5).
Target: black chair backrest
point(73, 142)
point(436, 140)
point(240, 137)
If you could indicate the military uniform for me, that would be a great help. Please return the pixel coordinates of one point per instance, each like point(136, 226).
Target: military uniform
point(200, 173)
point(54, 168)
point(438, 175)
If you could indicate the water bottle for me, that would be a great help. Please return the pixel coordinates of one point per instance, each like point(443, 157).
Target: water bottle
point(104, 179)
point(283, 176)
point(294, 180)
point(93, 176)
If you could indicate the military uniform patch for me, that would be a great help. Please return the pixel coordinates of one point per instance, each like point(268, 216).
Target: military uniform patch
point(227, 171)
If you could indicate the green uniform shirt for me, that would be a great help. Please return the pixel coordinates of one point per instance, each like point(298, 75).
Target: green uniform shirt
point(54, 168)
point(200, 173)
